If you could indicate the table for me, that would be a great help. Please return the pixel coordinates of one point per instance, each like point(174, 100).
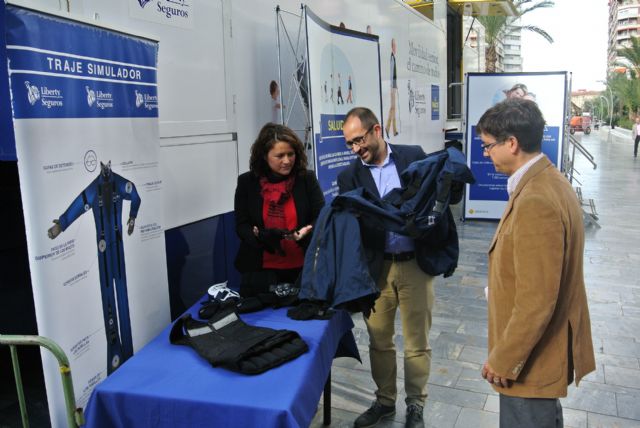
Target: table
point(165, 385)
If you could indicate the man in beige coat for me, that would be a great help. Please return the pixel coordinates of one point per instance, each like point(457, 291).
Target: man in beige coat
point(539, 328)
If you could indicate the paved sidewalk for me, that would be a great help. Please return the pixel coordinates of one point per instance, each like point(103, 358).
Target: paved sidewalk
point(458, 396)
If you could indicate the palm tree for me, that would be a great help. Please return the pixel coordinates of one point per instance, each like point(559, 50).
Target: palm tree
point(627, 90)
point(626, 94)
point(631, 57)
point(496, 27)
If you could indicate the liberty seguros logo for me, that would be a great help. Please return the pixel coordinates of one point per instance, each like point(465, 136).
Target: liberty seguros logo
point(33, 93)
point(139, 98)
point(145, 100)
point(48, 97)
point(182, 3)
point(91, 96)
point(101, 99)
point(168, 9)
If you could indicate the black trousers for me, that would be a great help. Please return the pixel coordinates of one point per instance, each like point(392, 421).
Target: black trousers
point(635, 146)
point(517, 412)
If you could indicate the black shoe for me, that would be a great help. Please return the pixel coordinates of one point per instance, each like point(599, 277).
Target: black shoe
point(386, 131)
point(374, 414)
point(414, 416)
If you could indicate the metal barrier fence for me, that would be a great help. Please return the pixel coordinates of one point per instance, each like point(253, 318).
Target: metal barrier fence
point(75, 417)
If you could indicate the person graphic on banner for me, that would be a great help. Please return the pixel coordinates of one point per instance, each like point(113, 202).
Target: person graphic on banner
point(276, 203)
point(393, 262)
point(518, 90)
point(393, 93)
point(350, 93)
point(104, 197)
point(539, 328)
point(635, 136)
point(340, 99)
point(276, 107)
point(331, 78)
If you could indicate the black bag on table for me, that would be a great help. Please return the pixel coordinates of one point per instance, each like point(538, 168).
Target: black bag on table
point(226, 341)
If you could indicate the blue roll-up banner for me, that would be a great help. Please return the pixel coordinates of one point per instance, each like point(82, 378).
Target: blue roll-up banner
point(85, 115)
point(487, 198)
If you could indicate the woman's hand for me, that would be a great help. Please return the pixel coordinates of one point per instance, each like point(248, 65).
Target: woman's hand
point(300, 233)
point(256, 231)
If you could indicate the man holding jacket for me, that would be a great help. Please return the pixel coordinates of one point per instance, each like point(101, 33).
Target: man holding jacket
point(393, 264)
point(539, 328)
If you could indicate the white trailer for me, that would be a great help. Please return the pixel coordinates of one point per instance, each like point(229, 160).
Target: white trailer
point(215, 63)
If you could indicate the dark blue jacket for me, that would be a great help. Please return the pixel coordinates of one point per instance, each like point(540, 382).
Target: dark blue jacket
point(335, 267)
point(339, 266)
point(419, 209)
point(357, 175)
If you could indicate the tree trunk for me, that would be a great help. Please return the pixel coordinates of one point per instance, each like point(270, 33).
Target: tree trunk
point(490, 58)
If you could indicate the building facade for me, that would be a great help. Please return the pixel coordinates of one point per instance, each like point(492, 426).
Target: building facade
point(624, 24)
point(474, 45)
point(512, 49)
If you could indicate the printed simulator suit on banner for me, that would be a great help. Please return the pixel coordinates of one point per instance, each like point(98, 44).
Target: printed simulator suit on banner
point(104, 196)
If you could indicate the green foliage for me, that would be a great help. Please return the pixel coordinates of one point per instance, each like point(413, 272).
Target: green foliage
point(599, 108)
point(626, 93)
point(631, 57)
point(625, 122)
point(496, 27)
point(626, 88)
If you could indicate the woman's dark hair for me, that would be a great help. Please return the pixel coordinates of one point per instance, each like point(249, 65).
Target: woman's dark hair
point(269, 135)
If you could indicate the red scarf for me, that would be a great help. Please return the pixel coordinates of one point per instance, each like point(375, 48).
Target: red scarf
point(275, 197)
point(279, 212)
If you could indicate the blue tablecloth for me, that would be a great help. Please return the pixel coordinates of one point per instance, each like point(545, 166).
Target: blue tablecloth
point(165, 385)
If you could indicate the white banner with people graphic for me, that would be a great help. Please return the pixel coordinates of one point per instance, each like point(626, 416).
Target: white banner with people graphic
point(85, 115)
point(344, 73)
point(397, 77)
point(487, 198)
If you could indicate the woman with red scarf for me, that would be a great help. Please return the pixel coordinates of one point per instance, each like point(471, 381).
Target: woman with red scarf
point(276, 203)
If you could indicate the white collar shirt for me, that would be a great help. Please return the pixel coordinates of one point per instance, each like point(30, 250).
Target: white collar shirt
point(515, 178)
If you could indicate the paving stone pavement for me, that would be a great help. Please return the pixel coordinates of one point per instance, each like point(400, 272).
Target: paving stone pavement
point(458, 396)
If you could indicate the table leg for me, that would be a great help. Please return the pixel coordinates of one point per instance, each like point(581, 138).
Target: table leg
point(327, 401)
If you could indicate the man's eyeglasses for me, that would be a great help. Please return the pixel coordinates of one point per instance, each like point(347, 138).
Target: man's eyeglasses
point(358, 140)
point(487, 147)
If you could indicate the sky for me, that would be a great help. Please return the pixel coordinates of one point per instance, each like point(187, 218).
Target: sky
point(580, 32)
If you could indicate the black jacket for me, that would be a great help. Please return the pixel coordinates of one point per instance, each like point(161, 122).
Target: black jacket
point(308, 199)
point(358, 175)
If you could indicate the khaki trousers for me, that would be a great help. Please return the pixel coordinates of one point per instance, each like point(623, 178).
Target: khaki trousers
point(403, 285)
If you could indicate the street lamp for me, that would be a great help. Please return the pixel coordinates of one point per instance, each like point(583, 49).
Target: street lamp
point(610, 99)
point(608, 109)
